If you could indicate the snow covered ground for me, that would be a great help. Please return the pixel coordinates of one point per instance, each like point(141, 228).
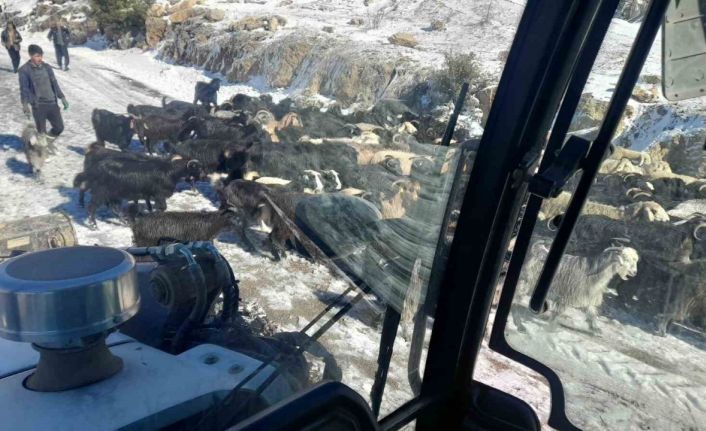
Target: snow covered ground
point(624, 378)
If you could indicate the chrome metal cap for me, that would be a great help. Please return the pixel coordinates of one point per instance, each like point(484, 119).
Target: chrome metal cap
point(55, 297)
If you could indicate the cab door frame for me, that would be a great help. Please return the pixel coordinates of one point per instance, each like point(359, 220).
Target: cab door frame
point(555, 44)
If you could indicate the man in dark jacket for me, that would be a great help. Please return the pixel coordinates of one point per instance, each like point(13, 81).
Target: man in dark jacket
point(40, 91)
point(11, 40)
point(60, 36)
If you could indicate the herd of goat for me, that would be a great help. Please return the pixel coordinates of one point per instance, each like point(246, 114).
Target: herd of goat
point(633, 246)
point(255, 152)
point(270, 161)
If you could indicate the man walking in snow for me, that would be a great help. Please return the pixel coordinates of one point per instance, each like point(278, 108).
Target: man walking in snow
point(11, 40)
point(40, 91)
point(60, 36)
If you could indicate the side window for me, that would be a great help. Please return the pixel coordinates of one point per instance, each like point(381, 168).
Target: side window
point(624, 325)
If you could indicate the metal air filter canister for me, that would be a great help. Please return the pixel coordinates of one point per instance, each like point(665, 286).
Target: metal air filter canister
point(65, 301)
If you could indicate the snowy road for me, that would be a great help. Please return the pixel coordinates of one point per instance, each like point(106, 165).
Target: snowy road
point(625, 376)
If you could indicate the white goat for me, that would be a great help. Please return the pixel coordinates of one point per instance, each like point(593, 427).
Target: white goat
point(580, 282)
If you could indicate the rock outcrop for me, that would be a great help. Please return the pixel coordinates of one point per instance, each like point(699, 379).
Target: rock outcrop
point(155, 29)
point(304, 61)
point(403, 39)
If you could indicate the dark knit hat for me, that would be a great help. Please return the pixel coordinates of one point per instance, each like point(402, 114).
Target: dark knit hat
point(35, 49)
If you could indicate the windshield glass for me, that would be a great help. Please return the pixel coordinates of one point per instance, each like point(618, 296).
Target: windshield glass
point(625, 321)
point(309, 141)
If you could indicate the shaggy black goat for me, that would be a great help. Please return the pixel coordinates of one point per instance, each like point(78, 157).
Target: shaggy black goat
point(96, 153)
point(153, 229)
point(207, 93)
point(214, 155)
point(317, 226)
point(185, 110)
point(289, 161)
point(152, 129)
point(113, 128)
point(260, 206)
point(216, 128)
point(112, 180)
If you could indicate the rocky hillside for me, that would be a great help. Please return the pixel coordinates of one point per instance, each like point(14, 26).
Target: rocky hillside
point(360, 51)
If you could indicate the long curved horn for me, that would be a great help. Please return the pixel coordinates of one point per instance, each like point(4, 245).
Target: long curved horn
point(404, 180)
point(626, 177)
point(642, 193)
point(550, 225)
point(192, 162)
point(696, 231)
point(632, 190)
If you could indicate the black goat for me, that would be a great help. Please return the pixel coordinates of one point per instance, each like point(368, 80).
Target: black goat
point(317, 226)
point(152, 129)
point(96, 153)
point(214, 155)
point(144, 110)
point(113, 128)
point(245, 103)
point(288, 161)
point(185, 110)
point(260, 206)
point(216, 128)
point(207, 93)
point(112, 180)
point(152, 229)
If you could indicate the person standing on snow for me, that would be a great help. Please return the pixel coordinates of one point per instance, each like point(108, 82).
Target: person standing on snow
point(11, 40)
point(60, 36)
point(40, 91)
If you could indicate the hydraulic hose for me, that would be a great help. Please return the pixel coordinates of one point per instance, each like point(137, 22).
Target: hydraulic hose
point(198, 281)
point(231, 293)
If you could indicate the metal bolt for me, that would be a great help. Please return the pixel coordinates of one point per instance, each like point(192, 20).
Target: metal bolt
point(210, 359)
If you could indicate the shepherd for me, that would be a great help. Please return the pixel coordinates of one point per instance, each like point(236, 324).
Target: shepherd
point(40, 90)
point(11, 40)
point(60, 36)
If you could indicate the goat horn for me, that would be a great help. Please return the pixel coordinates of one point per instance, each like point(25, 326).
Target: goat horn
point(696, 231)
point(626, 177)
point(400, 181)
point(701, 188)
point(632, 190)
point(681, 222)
point(192, 162)
point(641, 193)
point(613, 248)
point(550, 225)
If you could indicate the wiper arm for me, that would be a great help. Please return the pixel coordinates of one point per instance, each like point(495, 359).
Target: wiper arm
point(628, 79)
